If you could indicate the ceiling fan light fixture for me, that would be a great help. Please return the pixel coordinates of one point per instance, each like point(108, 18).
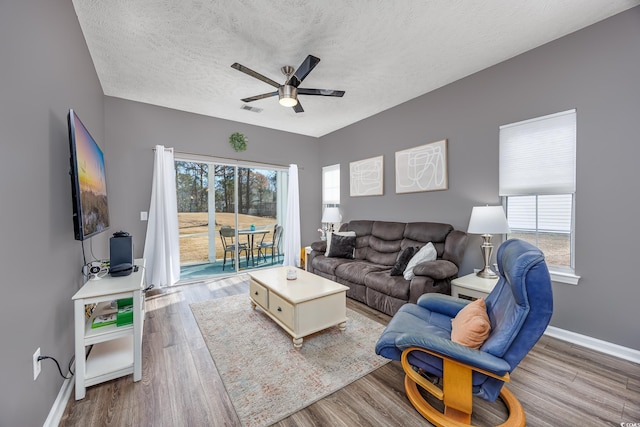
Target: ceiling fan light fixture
point(288, 95)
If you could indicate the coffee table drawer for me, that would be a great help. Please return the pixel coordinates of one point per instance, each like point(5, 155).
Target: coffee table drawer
point(259, 293)
point(281, 309)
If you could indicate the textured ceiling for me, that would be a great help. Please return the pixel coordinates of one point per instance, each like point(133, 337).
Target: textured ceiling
point(178, 53)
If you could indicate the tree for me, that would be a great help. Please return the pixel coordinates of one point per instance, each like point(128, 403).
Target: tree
point(192, 186)
point(224, 177)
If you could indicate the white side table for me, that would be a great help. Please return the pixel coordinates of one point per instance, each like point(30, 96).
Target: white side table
point(472, 287)
point(117, 350)
point(306, 251)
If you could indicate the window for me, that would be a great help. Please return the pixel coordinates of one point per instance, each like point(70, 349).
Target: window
point(213, 194)
point(537, 181)
point(331, 185)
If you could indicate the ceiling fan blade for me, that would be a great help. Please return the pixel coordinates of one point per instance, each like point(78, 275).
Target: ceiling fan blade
point(264, 95)
point(254, 74)
point(298, 107)
point(303, 70)
point(321, 92)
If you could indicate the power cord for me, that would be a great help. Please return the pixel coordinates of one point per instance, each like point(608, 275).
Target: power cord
point(58, 365)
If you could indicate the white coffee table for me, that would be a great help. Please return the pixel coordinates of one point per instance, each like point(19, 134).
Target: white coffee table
point(302, 306)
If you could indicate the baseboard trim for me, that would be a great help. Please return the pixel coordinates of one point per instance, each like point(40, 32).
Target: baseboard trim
point(594, 344)
point(57, 410)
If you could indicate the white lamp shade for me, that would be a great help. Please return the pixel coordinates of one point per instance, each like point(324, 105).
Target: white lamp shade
point(488, 220)
point(331, 215)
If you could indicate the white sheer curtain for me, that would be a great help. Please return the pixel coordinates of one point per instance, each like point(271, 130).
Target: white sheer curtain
point(292, 230)
point(161, 246)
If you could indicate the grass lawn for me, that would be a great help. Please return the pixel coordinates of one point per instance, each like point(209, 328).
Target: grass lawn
point(194, 228)
point(555, 246)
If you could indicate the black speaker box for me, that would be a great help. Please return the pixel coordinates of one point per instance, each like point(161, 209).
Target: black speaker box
point(121, 254)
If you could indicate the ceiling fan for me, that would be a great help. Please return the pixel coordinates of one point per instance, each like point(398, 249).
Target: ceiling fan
point(289, 91)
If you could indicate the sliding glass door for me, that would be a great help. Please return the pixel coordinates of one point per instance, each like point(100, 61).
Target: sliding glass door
point(230, 217)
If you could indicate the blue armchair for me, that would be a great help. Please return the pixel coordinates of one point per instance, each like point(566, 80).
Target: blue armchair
point(519, 309)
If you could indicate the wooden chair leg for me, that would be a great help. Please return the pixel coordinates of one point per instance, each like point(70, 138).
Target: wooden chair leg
point(456, 395)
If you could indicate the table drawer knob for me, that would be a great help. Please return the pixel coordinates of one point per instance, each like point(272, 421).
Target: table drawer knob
point(279, 308)
point(256, 293)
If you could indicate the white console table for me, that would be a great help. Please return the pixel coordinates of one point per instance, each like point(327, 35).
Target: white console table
point(117, 350)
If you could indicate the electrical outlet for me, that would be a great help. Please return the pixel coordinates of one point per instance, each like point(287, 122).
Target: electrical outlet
point(36, 364)
point(144, 216)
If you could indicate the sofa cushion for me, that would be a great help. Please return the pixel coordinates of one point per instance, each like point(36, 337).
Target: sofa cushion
point(426, 253)
point(385, 242)
point(403, 260)
point(382, 282)
point(383, 252)
point(327, 265)
point(362, 246)
point(361, 227)
point(427, 231)
point(388, 230)
point(356, 271)
point(342, 246)
point(418, 233)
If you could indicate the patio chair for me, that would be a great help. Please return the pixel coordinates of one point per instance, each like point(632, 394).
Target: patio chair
point(228, 236)
point(273, 245)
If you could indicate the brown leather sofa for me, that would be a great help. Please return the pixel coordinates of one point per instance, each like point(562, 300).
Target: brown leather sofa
point(378, 244)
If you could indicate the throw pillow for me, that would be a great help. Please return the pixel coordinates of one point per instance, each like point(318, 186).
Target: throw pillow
point(339, 233)
point(471, 326)
point(342, 246)
point(403, 259)
point(426, 253)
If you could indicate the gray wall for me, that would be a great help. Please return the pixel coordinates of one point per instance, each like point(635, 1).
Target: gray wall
point(595, 71)
point(133, 129)
point(45, 70)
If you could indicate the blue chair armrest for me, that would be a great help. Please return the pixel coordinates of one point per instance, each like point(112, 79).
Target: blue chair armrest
point(441, 303)
point(468, 356)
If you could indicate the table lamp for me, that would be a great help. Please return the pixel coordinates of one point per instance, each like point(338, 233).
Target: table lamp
point(487, 220)
point(331, 215)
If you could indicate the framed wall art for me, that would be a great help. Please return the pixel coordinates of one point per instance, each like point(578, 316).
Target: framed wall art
point(366, 177)
point(422, 168)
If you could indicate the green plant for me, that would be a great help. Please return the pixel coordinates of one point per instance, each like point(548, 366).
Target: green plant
point(238, 141)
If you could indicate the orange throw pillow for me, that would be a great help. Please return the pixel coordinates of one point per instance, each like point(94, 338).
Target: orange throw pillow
point(471, 326)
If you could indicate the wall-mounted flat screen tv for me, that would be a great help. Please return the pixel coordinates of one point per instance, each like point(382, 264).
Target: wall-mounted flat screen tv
point(88, 181)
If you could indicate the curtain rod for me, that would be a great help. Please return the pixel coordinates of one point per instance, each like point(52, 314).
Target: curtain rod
point(185, 153)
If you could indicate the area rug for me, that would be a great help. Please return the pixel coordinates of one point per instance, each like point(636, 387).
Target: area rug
point(266, 378)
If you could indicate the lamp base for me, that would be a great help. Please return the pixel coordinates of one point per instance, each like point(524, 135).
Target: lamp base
point(487, 249)
point(487, 273)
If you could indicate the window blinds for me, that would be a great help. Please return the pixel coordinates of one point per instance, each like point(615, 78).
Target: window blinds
point(538, 156)
point(331, 185)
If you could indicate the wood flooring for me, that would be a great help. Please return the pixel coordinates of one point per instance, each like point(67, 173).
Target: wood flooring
point(559, 384)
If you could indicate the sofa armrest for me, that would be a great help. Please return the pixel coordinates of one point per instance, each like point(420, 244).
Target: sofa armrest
point(319, 246)
point(438, 269)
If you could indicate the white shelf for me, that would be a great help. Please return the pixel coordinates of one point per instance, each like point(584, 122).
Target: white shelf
point(117, 350)
point(104, 333)
point(109, 359)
